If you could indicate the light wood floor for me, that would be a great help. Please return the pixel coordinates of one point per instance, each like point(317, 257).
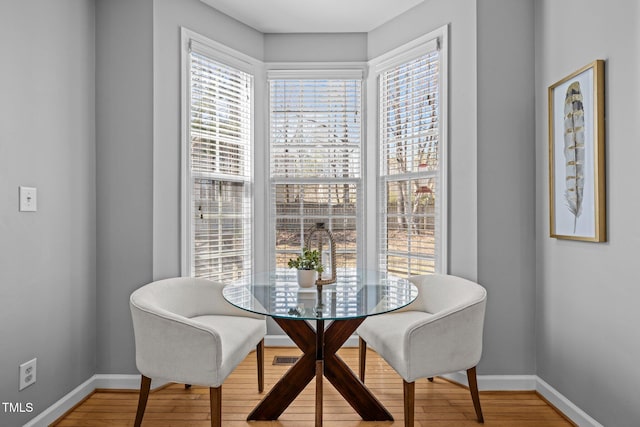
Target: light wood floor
point(440, 403)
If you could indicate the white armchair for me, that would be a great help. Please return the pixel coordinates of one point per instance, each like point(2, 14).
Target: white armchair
point(439, 333)
point(186, 332)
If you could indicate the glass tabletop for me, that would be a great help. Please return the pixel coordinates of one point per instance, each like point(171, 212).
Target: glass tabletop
point(357, 293)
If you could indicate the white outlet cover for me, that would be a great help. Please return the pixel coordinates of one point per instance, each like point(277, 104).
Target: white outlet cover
point(28, 373)
point(28, 199)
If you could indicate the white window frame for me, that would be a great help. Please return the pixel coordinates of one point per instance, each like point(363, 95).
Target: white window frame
point(377, 66)
point(320, 70)
point(224, 55)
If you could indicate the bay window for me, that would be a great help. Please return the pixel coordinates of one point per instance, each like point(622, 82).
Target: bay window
point(383, 196)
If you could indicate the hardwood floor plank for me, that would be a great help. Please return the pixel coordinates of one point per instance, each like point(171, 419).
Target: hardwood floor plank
point(438, 404)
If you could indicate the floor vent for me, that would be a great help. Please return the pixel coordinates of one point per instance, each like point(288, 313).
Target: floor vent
point(285, 360)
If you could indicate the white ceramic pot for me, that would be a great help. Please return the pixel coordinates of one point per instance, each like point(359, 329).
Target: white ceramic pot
point(307, 278)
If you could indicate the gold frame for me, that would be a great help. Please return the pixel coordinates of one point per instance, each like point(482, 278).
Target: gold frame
point(597, 130)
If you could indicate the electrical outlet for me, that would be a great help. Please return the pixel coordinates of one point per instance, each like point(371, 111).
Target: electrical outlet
point(28, 373)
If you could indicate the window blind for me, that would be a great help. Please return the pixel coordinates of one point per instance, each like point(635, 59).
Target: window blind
point(315, 163)
point(315, 128)
point(220, 168)
point(409, 154)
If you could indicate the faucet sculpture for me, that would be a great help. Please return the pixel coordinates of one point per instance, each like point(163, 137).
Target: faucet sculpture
point(321, 231)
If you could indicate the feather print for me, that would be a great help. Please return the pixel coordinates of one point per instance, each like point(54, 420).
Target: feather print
point(574, 149)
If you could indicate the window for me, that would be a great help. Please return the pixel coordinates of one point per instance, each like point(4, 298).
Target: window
point(219, 168)
point(315, 162)
point(410, 152)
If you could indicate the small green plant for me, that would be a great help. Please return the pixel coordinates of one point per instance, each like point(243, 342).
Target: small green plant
point(309, 260)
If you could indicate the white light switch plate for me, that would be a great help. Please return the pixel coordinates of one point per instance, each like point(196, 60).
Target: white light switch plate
point(28, 199)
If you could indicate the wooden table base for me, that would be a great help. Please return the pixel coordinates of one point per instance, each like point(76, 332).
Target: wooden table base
point(320, 359)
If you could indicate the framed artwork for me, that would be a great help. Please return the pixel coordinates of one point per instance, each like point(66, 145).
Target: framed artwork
point(576, 155)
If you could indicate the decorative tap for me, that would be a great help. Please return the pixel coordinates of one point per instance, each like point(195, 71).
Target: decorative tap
point(321, 230)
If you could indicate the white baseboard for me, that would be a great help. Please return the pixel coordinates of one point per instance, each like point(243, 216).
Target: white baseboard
point(125, 382)
point(525, 383)
point(485, 383)
point(496, 382)
point(67, 402)
point(564, 405)
point(76, 395)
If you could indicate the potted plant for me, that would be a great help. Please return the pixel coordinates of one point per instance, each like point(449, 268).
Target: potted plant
point(308, 265)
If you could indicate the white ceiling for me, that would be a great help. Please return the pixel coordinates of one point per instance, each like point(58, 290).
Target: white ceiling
point(313, 16)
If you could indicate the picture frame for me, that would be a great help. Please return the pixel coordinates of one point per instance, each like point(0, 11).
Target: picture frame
point(577, 204)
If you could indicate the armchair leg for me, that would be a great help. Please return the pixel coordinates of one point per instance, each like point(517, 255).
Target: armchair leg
point(362, 356)
point(215, 396)
point(409, 390)
point(475, 396)
point(145, 386)
point(260, 357)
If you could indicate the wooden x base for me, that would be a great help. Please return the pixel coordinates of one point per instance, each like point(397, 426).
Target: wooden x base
point(320, 359)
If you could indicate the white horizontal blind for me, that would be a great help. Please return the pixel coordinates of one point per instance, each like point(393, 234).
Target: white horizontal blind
point(315, 163)
point(220, 164)
point(410, 164)
point(315, 128)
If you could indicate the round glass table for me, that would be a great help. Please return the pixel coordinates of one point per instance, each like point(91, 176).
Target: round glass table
point(355, 296)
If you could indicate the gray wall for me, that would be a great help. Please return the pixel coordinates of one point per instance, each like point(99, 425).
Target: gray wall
point(506, 184)
point(588, 345)
point(48, 257)
point(333, 47)
point(124, 170)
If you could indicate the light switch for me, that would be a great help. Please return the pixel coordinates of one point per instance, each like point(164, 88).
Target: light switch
point(28, 200)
